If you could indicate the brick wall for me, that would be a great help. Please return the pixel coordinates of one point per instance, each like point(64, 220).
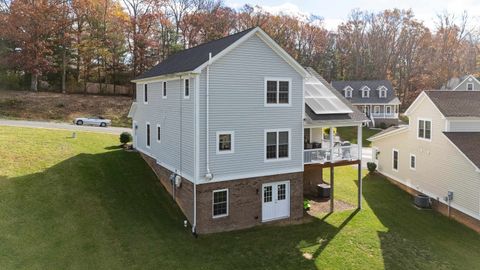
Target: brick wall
point(245, 199)
point(245, 202)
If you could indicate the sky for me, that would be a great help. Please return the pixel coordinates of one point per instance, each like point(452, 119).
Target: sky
point(334, 12)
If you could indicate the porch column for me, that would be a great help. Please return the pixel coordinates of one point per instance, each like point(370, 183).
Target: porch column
point(331, 144)
point(332, 198)
point(384, 111)
point(359, 140)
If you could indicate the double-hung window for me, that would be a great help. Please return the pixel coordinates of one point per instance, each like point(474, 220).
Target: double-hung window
point(395, 160)
point(225, 142)
point(469, 86)
point(148, 135)
point(186, 88)
point(424, 129)
point(164, 90)
point(145, 93)
point(277, 144)
point(220, 203)
point(277, 91)
point(413, 162)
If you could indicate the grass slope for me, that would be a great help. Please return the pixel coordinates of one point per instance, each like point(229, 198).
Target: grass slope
point(48, 106)
point(83, 204)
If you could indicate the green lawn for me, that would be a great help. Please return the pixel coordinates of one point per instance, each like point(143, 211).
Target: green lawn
point(350, 134)
point(84, 204)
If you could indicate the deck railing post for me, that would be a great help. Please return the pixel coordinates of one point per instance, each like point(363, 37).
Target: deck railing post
point(359, 139)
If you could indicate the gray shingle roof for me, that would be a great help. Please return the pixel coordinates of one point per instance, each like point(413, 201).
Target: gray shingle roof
point(190, 59)
point(468, 143)
point(356, 116)
point(374, 96)
point(456, 103)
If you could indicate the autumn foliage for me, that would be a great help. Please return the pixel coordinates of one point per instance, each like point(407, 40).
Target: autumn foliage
point(65, 44)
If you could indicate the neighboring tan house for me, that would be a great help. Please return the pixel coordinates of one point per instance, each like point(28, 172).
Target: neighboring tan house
point(438, 152)
point(231, 125)
point(376, 99)
point(465, 83)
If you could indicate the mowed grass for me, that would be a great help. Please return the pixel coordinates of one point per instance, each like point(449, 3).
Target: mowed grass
point(84, 204)
point(350, 134)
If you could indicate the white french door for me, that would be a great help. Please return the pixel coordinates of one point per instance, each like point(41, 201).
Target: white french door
point(275, 200)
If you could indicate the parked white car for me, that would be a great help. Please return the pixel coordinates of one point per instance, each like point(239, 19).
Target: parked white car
point(94, 121)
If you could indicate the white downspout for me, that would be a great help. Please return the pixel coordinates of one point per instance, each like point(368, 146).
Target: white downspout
point(196, 155)
point(209, 175)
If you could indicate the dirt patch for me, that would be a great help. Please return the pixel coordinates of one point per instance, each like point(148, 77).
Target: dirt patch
point(323, 206)
point(63, 107)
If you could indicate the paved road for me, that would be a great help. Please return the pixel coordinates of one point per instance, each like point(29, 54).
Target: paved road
point(52, 125)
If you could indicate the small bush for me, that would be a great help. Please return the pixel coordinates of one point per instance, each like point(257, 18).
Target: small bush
point(372, 167)
point(125, 137)
point(383, 125)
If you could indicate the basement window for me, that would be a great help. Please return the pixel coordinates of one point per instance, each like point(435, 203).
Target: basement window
point(220, 203)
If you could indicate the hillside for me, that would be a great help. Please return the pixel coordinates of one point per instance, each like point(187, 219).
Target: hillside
point(63, 107)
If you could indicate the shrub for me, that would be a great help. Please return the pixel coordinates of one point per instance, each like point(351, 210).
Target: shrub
point(125, 137)
point(371, 167)
point(383, 125)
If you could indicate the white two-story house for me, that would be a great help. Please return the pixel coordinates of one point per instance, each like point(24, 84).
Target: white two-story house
point(223, 125)
point(438, 153)
point(375, 98)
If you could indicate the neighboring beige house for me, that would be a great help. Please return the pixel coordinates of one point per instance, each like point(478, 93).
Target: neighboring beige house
point(438, 152)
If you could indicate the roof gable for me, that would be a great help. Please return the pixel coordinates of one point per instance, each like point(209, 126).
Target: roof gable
point(193, 60)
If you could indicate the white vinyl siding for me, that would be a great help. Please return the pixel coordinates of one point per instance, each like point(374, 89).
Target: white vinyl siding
point(440, 167)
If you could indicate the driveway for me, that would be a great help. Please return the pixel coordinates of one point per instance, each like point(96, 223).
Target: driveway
point(66, 126)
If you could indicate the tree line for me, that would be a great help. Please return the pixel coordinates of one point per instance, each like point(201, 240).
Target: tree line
point(63, 44)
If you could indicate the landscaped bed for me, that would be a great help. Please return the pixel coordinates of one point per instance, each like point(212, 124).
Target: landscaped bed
point(86, 204)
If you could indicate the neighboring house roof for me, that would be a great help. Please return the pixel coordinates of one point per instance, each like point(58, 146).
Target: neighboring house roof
point(455, 82)
point(355, 114)
point(456, 103)
point(374, 95)
point(193, 60)
point(387, 132)
point(468, 143)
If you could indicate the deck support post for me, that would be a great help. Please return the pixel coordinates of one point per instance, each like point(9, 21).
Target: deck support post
point(359, 141)
point(332, 198)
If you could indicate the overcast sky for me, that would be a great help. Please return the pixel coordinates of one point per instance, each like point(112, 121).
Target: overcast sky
point(337, 11)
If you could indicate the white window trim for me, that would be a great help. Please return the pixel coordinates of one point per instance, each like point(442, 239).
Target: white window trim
point(410, 162)
point(348, 90)
point(473, 86)
point(375, 111)
point(365, 89)
point(147, 124)
point(145, 85)
point(164, 93)
point(418, 129)
point(189, 88)
point(277, 79)
point(383, 93)
point(389, 111)
point(213, 201)
point(232, 142)
point(289, 145)
point(159, 127)
point(393, 159)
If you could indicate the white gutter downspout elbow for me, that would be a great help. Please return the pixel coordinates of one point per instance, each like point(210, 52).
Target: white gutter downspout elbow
point(209, 175)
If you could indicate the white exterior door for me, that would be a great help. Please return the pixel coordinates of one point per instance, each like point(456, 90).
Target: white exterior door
point(275, 200)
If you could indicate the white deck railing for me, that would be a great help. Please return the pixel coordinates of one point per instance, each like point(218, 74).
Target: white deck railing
point(335, 154)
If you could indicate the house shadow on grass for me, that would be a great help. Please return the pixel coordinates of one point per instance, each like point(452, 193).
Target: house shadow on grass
point(108, 210)
point(416, 239)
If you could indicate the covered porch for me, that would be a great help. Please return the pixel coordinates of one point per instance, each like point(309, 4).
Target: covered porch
point(324, 149)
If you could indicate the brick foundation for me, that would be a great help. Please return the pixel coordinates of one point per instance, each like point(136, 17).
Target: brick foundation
point(245, 199)
point(443, 208)
point(312, 176)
